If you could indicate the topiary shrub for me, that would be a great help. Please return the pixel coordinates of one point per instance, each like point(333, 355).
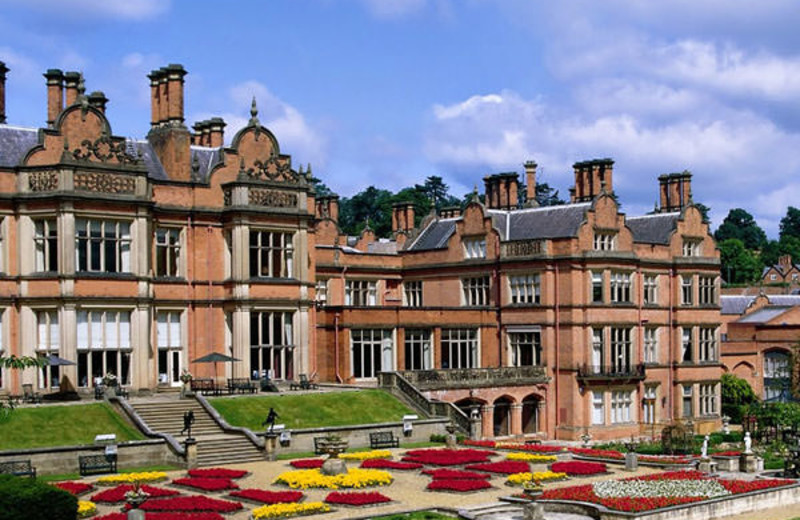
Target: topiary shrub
point(29, 499)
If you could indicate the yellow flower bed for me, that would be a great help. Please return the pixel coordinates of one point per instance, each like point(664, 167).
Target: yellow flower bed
point(542, 476)
point(531, 457)
point(130, 478)
point(287, 510)
point(354, 478)
point(367, 455)
point(86, 508)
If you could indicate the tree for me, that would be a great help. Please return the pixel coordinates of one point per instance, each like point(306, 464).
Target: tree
point(739, 264)
point(741, 225)
point(436, 190)
point(17, 363)
point(547, 196)
point(736, 395)
point(774, 249)
point(703, 210)
point(790, 224)
point(372, 204)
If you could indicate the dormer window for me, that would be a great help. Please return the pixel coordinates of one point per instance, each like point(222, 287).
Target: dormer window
point(691, 247)
point(475, 248)
point(605, 240)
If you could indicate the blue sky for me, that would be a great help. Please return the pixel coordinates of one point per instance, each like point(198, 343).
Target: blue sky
point(387, 92)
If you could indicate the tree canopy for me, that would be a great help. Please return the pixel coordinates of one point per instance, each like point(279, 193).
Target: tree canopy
point(790, 223)
point(741, 225)
point(738, 264)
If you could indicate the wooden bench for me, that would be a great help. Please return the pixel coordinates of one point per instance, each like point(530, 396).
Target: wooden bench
point(383, 440)
point(19, 468)
point(242, 385)
point(205, 386)
point(303, 384)
point(96, 464)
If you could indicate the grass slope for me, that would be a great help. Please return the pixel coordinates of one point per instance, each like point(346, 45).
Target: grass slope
point(313, 410)
point(54, 425)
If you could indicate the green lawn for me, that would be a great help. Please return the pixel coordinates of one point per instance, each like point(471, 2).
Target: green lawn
point(54, 425)
point(313, 410)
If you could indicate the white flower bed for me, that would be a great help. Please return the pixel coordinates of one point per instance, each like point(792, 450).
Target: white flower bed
point(659, 488)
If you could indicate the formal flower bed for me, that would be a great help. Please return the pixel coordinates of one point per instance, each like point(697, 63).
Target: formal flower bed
point(446, 457)
point(517, 479)
point(455, 474)
point(367, 455)
point(460, 486)
point(657, 491)
point(577, 467)
point(188, 504)
point(117, 494)
point(537, 448)
point(389, 464)
point(506, 467)
point(677, 460)
point(289, 510)
point(206, 484)
point(356, 499)
point(267, 497)
point(76, 488)
point(726, 454)
point(130, 478)
point(354, 478)
point(307, 463)
point(165, 516)
point(534, 458)
point(217, 473)
point(598, 454)
point(86, 508)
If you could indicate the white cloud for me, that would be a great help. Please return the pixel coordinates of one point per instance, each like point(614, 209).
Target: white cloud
point(119, 9)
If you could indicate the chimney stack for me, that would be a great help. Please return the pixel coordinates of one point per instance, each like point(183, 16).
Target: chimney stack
point(328, 207)
point(71, 81)
point(591, 177)
point(450, 212)
point(530, 184)
point(216, 126)
point(3, 70)
point(502, 190)
point(402, 217)
point(98, 100)
point(197, 137)
point(55, 94)
point(168, 136)
point(675, 191)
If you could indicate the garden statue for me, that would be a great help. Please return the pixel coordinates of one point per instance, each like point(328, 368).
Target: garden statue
point(188, 421)
point(270, 420)
point(726, 424)
point(748, 443)
point(704, 453)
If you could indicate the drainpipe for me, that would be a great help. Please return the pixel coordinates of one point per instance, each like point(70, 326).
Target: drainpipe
point(640, 300)
point(558, 347)
point(671, 360)
point(336, 347)
point(498, 303)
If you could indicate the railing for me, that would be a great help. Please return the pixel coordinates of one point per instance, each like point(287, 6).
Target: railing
point(609, 372)
point(396, 383)
point(476, 377)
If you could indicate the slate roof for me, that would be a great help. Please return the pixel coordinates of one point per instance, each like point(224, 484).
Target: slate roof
point(764, 314)
point(653, 229)
point(734, 304)
point(15, 143)
point(434, 236)
point(784, 299)
point(205, 159)
point(538, 223)
point(147, 155)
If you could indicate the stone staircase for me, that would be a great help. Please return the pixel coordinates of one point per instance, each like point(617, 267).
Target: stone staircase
point(214, 446)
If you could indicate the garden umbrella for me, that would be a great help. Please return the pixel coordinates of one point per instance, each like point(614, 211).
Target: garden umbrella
point(55, 361)
point(215, 357)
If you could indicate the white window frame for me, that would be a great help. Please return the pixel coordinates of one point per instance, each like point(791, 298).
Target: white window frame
point(95, 247)
point(168, 242)
point(48, 342)
point(692, 247)
point(418, 345)
point(604, 241)
point(649, 405)
point(474, 248)
point(476, 291)
point(460, 348)
point(650, 340)
point(622, 359)
point(272, 344)
point(525, 288)
point(321, 291)
point(361, 293)
point(412, 293)
point(45, 240)
point(522, 342)
point(598, 400)
point(687, 345)
point(108, 332)
point(621, 406)
point(650, 289)
point(707, 288)
point(595, 285)
point(620, 287)
point(708, 399)
point(687, 289)
point(372, 341)
point(262, 245)
point(687, 397)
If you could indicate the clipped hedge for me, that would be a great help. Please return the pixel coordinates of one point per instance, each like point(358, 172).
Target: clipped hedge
point(29, 499)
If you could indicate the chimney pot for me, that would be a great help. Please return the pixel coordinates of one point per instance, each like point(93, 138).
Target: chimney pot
point(3, 71)
point(216, 132)
point(98, 100)
point(530, 183)
point(71, 81)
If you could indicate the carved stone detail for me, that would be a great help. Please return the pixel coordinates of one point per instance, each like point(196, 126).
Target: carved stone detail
point(43, 181)
point(476, 377)
point(105, 183)
point(273, 169)
point(104, 149)
point(524, 248)
point(272, 198)
point(227, 196)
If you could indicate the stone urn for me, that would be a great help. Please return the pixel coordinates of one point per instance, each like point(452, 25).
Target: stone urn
point(333, 445)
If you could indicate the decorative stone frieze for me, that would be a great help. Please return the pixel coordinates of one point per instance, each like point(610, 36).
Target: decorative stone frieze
point(105, 183)
point(43, 181)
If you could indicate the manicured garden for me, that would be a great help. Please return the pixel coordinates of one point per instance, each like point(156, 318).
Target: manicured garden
point(62, 425)
point(313, 410)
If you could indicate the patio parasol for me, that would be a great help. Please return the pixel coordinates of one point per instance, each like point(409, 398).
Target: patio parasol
point(215, 357)
point(55, 361)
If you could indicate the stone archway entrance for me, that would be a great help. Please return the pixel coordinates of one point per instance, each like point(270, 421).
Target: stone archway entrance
point(502, 416)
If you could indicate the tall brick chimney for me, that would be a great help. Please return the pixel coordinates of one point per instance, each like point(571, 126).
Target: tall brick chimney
point(198, 138)
point(328, 207)
point(530, 184)
point(501, 190)
point(98, 100)
point(675, 191)
point(55, 94)
point(3, 70)
point(402, 217)
point(591, 177)
point(71, 81)
point(168, 136)
point(216, 127)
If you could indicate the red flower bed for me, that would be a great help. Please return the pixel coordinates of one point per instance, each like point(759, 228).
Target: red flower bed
point(726, 454)
point(577, 467)
point(458, 485)
point(356, 498)
point(665, 459)
point(506, 467)
point(76, 488)
point(600, 454)
point(268, 497)
point(389, 464)
point(745, 486)
point(206, 484)
point(585, 493)
point(217, 473)
point(673, 475)
point(480, 444)
point(164, 516)
point(188, 504)
point(307, 463)
point(117, 494)
point(455, 474)
point(446, 457)
point(537, 448)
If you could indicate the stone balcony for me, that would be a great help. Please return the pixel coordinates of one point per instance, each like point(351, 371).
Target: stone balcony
point(455, 378)
point(609, 373)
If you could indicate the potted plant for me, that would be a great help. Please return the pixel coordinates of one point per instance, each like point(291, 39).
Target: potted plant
point(333, 445)
point(532, 488)
point(136, 496)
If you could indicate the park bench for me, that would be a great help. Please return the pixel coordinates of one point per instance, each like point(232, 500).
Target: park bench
point(303, 384)
point(19, 468)
point(29, 396)
point(97, 464)
point(205, 386)
point(241, 385)
point(383, 440)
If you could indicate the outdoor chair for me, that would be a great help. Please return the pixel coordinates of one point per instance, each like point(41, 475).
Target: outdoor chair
point(29, 396)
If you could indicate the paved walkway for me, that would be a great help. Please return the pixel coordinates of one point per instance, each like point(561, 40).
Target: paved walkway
point(408, 492)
